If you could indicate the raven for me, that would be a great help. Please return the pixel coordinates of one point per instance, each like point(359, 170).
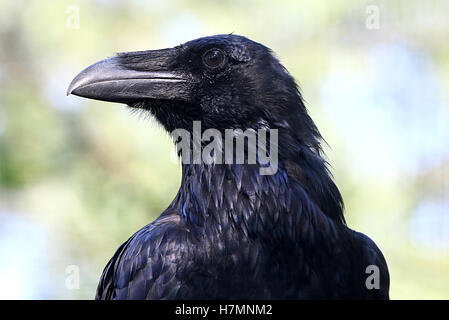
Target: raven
point(232, 232)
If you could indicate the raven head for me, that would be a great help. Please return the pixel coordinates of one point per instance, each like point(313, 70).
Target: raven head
point(225, 81)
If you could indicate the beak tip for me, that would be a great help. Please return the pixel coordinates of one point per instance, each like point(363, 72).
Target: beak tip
point(70, 88)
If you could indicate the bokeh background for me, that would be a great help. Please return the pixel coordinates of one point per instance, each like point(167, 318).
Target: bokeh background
point(78, 177)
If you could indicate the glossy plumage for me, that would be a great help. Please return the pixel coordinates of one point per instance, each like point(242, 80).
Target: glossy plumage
point(231, 233)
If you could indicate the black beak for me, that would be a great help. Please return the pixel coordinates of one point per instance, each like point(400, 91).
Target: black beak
point(134, 76)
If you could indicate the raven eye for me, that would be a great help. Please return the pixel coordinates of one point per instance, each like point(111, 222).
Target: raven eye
point(214, 58)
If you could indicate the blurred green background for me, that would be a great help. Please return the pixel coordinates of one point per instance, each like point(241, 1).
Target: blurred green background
point(78, 177)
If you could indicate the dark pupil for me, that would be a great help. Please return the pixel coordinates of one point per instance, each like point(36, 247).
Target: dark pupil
point(214, 58)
